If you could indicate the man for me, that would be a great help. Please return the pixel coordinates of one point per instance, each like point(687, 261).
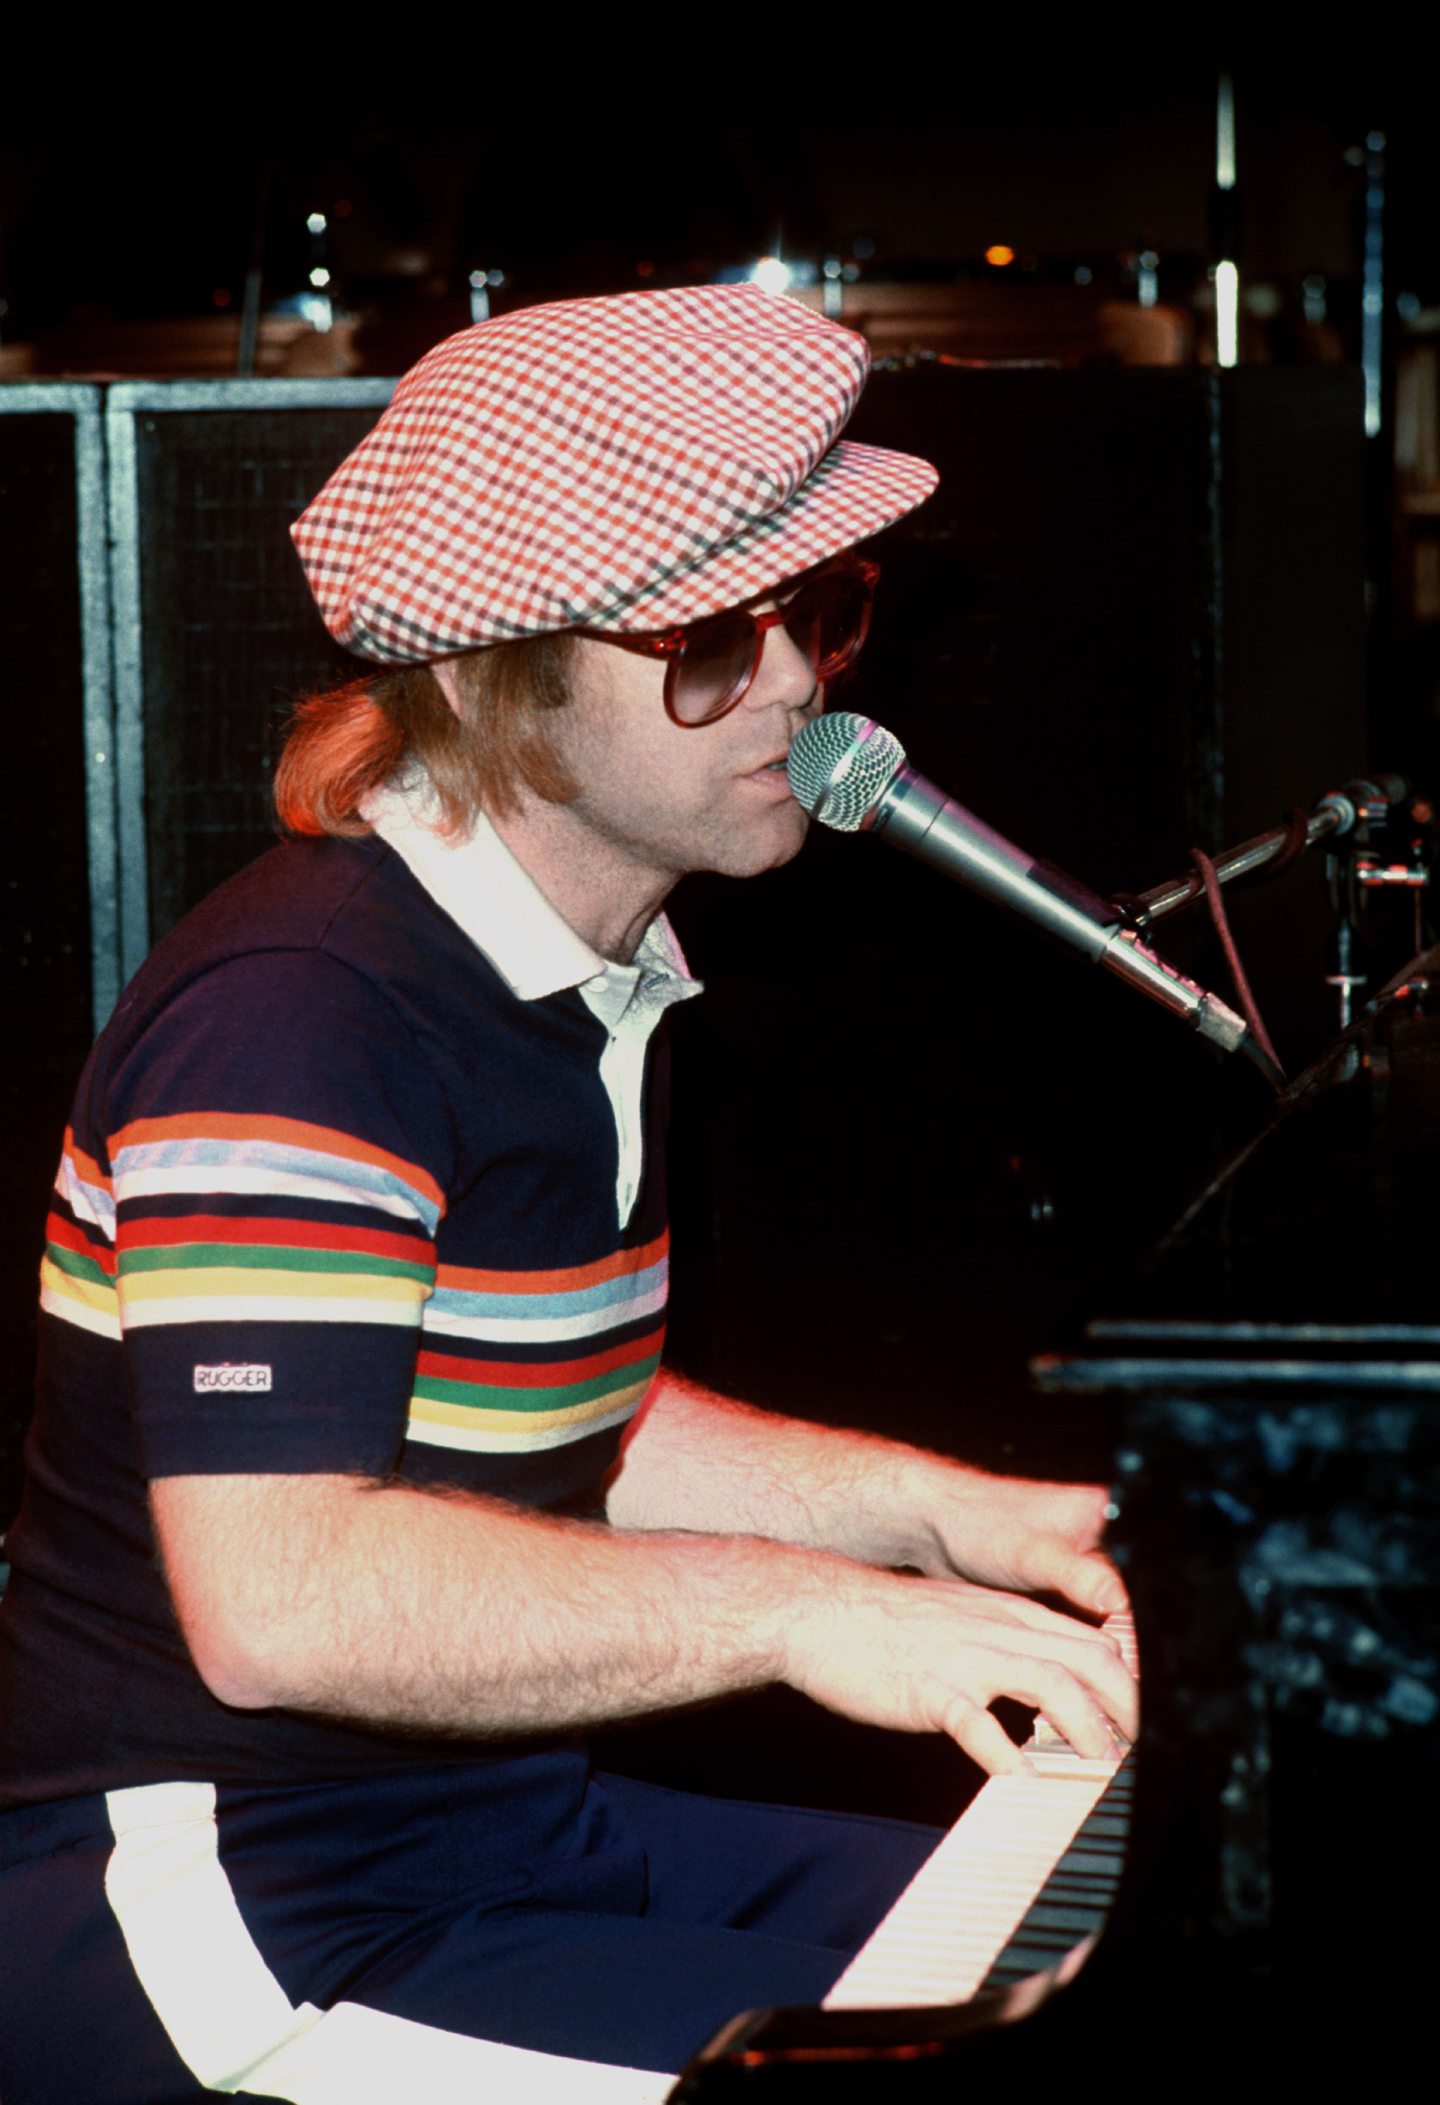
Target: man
point(355, 1296)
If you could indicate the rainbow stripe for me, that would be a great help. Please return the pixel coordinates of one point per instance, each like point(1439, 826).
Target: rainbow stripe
point(77, 1271)
point(554, 1307)
point(214, 1218)
point(282, 1264)
point(76, 1285)
point(510, 1407)
point(510, 1392)
point(205, 1268)
point(84, 1188)
point(282, 1157)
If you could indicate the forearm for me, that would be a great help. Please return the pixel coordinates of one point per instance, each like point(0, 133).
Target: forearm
point(454, 1614)
point(699, 1460)
point(461, 1615)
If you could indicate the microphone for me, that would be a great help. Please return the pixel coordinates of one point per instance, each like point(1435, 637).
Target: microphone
point(851, 774)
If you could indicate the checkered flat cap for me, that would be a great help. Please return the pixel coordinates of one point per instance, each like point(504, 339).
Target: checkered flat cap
point(629, 463)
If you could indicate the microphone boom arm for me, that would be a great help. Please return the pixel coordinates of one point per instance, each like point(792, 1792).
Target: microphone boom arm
point(1338, 813)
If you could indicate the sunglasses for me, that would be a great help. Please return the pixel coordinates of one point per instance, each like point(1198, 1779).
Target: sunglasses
point(711, 664)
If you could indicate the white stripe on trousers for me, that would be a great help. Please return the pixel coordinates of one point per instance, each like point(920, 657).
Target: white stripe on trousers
point(235, 2028)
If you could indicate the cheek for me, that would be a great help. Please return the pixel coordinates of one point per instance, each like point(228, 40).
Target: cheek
point(638, 790)
point(615, 728)
point(640, 774)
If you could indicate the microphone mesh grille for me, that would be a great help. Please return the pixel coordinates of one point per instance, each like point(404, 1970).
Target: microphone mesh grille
point(840, 766)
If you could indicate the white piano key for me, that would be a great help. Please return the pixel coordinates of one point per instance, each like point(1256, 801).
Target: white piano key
point(946, 1930)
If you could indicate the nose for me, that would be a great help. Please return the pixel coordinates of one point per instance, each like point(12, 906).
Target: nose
point(785, 677)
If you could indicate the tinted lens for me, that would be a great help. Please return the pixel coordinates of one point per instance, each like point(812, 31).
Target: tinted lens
point(828, 619)
point(718, 664)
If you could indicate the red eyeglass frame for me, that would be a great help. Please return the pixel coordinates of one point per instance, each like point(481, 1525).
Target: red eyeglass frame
point(671, 644)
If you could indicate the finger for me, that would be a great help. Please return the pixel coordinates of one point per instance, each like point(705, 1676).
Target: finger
point(1085, 1577)
point(1089, 1663)
point(982, 1737)
point(1104, 1673)
point(1075, 1512)
point(1073, 1712)
point(1086, 1507)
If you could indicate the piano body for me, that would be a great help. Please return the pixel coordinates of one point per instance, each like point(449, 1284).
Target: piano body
point(1275, 1378)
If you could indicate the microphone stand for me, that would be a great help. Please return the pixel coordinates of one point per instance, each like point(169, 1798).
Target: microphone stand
point(1363, 815)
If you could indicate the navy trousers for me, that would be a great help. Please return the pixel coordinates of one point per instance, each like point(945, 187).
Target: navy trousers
point(523, 1931)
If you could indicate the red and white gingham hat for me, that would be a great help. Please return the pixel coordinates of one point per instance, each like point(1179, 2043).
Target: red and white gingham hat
point(629, 463)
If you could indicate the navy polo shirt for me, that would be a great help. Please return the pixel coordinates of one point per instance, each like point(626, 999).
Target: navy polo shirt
point(335, 1198)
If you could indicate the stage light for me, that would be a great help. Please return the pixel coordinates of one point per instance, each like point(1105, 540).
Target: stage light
point(1225, 134)
point(770, 274)
point(1227, 314)
point(998, 255)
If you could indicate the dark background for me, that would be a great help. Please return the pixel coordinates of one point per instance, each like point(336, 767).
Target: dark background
point(121, 200)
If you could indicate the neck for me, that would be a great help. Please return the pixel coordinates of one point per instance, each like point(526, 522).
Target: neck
point(605, 898)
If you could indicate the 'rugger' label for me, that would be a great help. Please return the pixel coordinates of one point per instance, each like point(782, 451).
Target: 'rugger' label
point(231, 1376)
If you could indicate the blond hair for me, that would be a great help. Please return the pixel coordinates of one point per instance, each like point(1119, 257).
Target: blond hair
point(482, 756)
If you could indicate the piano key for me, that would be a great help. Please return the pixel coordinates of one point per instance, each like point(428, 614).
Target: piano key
point(975, 1897)
point(1076, 1899)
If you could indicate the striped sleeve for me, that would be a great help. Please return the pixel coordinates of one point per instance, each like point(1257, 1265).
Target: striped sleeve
point(77, 1271)
point(275, 1168)
point(226, 1218)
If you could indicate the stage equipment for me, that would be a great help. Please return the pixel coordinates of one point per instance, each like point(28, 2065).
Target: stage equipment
point(215, 636)
point(155, 631)
point(1381, 840)
point(852, 776)
point(1359, 804)
point(1131, 616)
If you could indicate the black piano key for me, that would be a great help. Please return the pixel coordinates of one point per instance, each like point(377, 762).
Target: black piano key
point(1072, 1922)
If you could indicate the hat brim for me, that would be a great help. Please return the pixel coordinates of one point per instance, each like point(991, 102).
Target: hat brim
point(852, 493)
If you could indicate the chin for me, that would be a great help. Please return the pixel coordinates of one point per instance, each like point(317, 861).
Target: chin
point(753, 857)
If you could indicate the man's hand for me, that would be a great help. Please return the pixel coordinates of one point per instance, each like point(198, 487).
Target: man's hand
point(925, 1655)
point(1008, 1532)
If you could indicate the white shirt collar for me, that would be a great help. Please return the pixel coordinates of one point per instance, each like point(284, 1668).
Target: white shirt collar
point(480, 884)
point(532, 946)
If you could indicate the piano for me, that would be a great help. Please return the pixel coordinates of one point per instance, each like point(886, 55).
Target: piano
point(1275, 1378)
